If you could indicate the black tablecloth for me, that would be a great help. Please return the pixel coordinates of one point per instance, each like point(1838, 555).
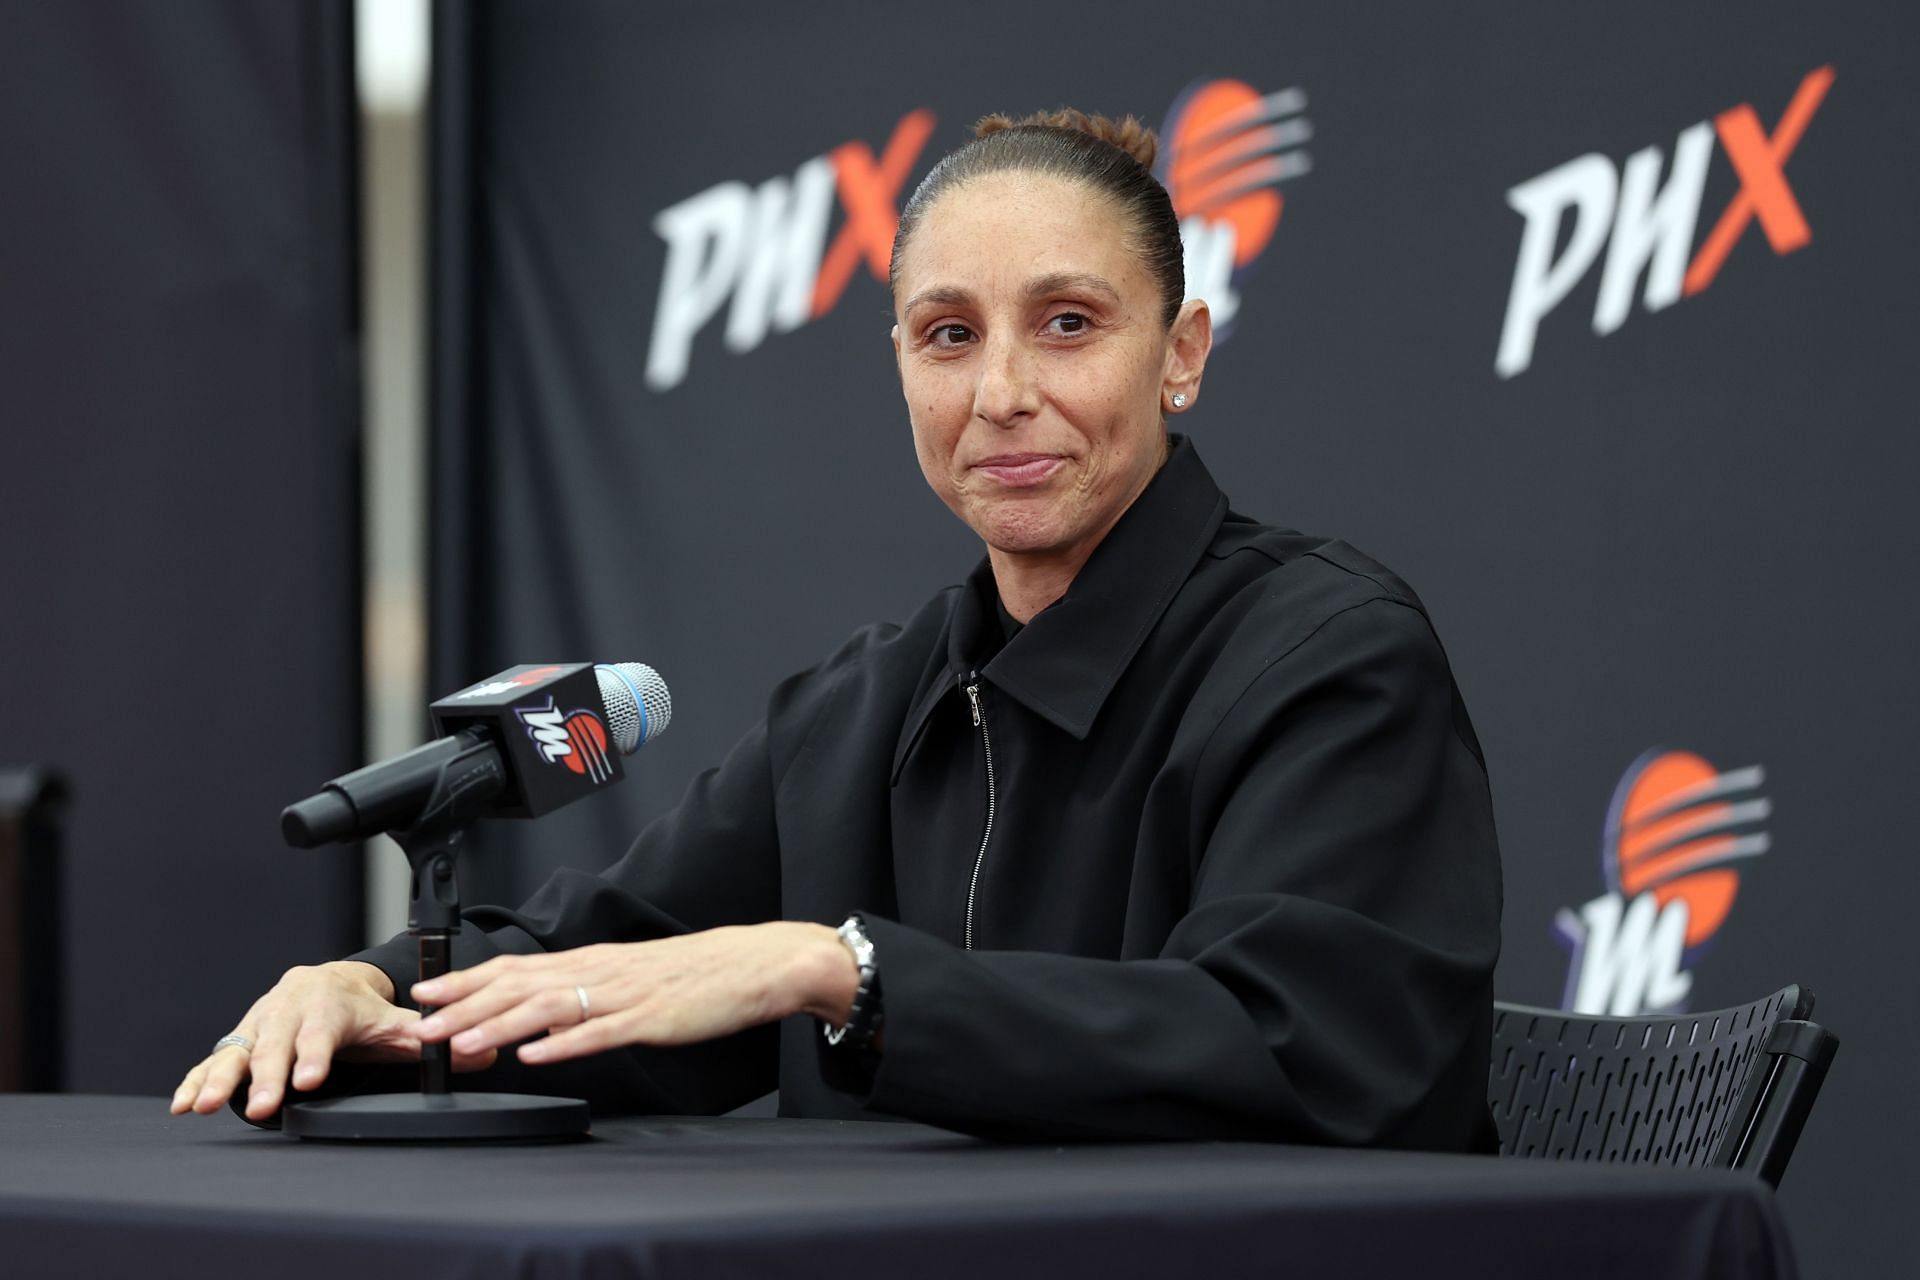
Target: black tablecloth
point(116, 1187)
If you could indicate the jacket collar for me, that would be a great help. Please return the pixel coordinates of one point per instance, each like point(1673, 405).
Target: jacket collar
point(1066, 661)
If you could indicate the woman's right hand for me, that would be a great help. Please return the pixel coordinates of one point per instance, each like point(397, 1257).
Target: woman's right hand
point(313, 1013)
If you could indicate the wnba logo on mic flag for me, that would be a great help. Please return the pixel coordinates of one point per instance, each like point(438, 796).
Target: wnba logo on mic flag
point(575, 739)
point(1228, 147)
point(1676, 831)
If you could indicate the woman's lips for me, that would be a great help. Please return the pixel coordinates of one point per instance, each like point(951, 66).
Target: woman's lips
point(1020, 470)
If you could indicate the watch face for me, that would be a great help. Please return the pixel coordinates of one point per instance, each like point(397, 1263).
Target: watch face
point(853, 932)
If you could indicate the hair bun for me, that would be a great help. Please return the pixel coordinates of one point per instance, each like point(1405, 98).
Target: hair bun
point(1126, 133)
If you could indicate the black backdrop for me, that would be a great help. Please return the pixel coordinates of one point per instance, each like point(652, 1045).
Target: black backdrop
point(1689, 532)
point(1682, 541)
point(178, 512)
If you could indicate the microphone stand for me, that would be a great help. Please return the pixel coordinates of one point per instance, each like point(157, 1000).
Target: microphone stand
point(466, 783)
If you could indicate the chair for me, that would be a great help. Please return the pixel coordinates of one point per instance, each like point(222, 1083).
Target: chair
point(1730, 1088)
point(32, 806)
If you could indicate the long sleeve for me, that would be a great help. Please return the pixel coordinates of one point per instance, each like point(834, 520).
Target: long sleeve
point(1331, 977)
point(712, 860)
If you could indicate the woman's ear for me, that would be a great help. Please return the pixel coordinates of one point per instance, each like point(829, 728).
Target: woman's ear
point(1188, 343)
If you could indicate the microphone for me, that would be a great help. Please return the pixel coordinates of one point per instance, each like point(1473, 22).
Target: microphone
point(516, 745)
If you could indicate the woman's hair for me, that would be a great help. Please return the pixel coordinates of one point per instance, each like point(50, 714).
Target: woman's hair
point(1112, 157)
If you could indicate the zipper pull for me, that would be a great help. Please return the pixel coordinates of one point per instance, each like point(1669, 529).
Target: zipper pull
point(973, 696)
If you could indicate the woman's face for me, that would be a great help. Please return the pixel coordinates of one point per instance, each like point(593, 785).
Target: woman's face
point(1034, 361)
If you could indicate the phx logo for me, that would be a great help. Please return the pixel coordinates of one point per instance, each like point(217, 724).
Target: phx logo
point(1228, 147)
point(494, 688)
point(1676, 830)
point(762, 252)
point(1646, 227)
point(575, 739)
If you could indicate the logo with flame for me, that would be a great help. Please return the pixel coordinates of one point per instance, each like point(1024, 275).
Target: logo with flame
point(1676, 832)
point(576, 740)
point(1228, 149)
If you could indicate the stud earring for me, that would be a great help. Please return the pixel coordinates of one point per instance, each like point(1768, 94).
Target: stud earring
point(1179, 399)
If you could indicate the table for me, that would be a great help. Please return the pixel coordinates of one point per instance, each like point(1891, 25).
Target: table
point(93, 1186)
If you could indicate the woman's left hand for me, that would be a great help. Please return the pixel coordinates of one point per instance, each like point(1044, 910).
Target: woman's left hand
point(680, 990)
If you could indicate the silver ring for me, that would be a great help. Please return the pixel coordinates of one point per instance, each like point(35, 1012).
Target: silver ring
point(241, 1041)
point(582, 993)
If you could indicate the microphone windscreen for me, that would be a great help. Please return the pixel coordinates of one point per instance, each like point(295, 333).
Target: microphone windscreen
point(637, 703)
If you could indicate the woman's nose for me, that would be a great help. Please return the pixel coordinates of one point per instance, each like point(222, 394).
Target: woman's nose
point(1008, 390)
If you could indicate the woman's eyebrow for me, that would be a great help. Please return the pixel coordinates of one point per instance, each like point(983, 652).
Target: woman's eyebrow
point(1071, 282)
point(943, 295)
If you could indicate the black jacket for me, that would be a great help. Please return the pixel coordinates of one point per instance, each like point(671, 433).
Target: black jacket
point(1214, 857)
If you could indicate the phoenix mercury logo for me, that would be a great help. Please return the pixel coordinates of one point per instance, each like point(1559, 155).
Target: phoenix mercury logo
point(771, 257)
point(1676, 832)
point(574, 739)
point(1647, 227)
point(1228, 149)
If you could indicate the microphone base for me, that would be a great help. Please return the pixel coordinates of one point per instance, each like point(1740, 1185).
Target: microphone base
point(438, 1117)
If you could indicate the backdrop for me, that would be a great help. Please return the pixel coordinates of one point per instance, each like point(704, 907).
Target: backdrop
point(1594, 323)
point(178, 516)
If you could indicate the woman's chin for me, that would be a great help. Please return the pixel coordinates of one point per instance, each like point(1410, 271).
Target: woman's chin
point(1017, 532)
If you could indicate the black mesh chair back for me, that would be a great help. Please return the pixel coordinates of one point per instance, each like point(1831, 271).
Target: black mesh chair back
point(1732, 1087)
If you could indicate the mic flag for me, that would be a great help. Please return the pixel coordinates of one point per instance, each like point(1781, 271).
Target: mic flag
point(517, 745)
point(551, 727)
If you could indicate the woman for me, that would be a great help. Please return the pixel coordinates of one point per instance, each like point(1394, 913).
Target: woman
point(1164, 824)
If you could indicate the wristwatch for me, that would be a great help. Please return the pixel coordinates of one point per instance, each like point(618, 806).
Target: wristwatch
point(863, 1021)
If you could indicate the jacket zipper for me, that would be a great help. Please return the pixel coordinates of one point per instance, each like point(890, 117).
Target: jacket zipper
point(980, 860)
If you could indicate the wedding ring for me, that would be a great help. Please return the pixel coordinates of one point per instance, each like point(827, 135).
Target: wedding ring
point(582, 993)
point(241, 1041)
